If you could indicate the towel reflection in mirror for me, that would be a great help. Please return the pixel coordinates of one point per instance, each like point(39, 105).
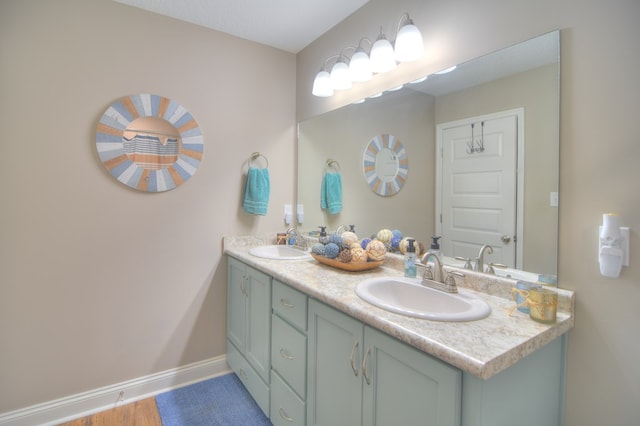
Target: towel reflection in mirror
point(152, 143)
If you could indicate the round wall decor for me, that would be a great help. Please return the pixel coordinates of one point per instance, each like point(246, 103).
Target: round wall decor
point(149, 142)
point(385, 165)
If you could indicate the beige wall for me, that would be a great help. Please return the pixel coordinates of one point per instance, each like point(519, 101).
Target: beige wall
point(100, 283)
point(598, 158)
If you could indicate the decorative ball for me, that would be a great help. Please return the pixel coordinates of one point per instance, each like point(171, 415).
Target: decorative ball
point(385, 235)
point(348, 238)
point(335, 239)
point(345, 256)
point(395, 242)
point(318, 248)
point(359, 255)
point(365, 242)
point(331, 250)
point(355, 244)
point(397, 234)
point(376, 250)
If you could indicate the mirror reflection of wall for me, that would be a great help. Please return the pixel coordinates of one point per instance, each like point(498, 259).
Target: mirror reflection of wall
point(412, 117)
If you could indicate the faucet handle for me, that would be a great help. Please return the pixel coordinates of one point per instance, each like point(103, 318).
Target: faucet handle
point(428, 272)
point(467, 262)
point(450, 281)
point(491, 270)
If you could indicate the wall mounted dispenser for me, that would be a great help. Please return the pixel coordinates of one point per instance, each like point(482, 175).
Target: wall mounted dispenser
point(613, 247)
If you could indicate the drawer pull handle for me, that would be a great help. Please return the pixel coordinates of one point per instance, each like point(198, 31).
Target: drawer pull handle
point(285, 354)
point(243, 374)
point(284, 415)
point(353, 351)
point(364, 366)
point(287, 304)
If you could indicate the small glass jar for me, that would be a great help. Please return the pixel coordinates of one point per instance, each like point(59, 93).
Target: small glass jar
point(521, 296)
point(543, 305)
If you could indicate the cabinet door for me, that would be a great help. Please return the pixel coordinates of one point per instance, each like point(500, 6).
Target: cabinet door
point(334, 392)
point(404, 386)
point(236, 301)
point(258, 320)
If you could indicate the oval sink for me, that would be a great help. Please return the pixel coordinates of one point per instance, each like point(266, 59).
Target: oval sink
point(277, 252)
point(407, 296)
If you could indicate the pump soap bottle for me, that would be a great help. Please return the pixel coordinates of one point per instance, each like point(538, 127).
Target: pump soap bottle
point(435, 247)
point(410, 260)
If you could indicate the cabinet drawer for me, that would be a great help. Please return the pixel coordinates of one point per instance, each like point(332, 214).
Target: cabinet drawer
point(258, 389)
point(289, 354)
point(286, 407)
point(290, 304)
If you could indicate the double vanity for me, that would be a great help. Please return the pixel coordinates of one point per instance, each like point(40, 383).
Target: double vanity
point(315, 345)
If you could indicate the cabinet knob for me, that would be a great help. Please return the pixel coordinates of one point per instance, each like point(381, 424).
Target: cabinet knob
point(286, 303)
point(284, 415)
point(285, 354)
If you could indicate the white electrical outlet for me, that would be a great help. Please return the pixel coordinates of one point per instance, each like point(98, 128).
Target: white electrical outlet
point(553, 199)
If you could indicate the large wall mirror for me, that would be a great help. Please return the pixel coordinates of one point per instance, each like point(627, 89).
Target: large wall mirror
point(521, 80)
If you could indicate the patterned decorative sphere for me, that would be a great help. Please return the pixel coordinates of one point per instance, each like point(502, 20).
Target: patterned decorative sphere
point(331, 250)
point(376, 250)
point(318, 248)
point(335, 239)
point(385, 235)
point(355, 244)
point(365, 242)
point(359, 255)
point(348, 238)
point(397, 233)
point(345, 256)
point(395, 242)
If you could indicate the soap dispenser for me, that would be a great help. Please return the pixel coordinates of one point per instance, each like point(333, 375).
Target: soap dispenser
point(435, 247)
point(410, 259)
point(323, 239)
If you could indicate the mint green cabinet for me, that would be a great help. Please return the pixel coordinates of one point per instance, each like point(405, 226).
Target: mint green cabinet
point(288, 356)
point(249, 328)
point(360, 376)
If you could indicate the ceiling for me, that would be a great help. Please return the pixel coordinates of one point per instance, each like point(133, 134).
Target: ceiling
point(289, 25)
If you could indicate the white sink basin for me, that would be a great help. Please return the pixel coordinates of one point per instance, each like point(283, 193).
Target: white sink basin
point(277, 252)
point(407, 296)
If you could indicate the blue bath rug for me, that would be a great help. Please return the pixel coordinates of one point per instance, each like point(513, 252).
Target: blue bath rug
point(221, 401)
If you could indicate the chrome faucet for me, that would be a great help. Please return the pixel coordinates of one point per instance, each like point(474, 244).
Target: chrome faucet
point(429, 273)
point(480, 259)
point(435, 279)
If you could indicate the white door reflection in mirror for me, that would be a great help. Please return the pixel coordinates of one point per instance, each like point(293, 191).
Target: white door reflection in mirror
point(479, 159)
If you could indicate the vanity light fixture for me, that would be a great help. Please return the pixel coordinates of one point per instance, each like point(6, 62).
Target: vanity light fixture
point(446, 70)
point(340, 78)
point(383, 57)
point(408, 46)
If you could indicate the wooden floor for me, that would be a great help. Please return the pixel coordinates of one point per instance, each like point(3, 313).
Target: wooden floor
point(139, 413)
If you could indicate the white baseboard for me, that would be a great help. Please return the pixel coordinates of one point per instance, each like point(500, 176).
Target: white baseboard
point(108, 397)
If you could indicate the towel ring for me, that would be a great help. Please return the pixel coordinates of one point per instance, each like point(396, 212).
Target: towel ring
point(257, 155)
point(333, 164)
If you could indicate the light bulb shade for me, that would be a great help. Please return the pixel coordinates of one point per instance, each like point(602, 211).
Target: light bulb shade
point(340, 78)
point(382, 56)
point(360, 67)
point(322, 86)
point(409, 45)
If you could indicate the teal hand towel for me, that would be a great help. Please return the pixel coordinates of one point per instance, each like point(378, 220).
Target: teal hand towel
point(256, 191)
point(331, 193)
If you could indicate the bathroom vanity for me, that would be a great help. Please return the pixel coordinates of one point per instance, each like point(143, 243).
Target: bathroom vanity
point(311, 352)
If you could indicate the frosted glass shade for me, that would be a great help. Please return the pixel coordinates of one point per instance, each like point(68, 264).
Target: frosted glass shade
point(360, 67)
point(409, 46)
point(340, 77)
point(322, 85)
point(382, 56)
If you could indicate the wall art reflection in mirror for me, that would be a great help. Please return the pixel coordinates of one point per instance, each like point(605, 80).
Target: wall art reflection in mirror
point(385, 165)
point(149, 143)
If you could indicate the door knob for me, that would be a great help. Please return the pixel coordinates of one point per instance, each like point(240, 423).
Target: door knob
point(506, 239)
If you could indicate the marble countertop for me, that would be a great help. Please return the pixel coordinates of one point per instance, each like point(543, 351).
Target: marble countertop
point(483, 348)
